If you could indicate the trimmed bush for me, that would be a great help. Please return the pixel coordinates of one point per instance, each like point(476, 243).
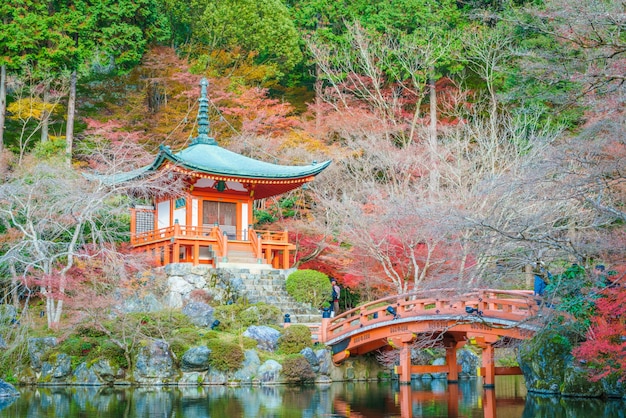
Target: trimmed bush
point(241, 315)
point(309, 286)
point(294, 339)
point(225, 356)
point(297, 369)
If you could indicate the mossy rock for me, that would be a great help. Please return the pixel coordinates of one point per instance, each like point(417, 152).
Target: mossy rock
point(577, 382)
point(543, 361)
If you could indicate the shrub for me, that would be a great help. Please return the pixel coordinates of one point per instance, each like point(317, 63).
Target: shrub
point(294, 339)
point(309, 286)
point(297, 369)
point(241, 315)
point(225, 356)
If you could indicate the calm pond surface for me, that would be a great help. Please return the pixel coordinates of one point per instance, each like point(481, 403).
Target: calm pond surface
point(433, 398)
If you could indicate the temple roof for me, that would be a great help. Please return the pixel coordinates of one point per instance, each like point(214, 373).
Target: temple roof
point(205, 158)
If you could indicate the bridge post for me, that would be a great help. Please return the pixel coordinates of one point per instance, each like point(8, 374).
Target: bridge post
point(324, 329)
point(489, 366)
point(453, 372)
point(405, 364)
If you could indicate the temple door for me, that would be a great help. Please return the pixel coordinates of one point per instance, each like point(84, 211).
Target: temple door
point(222, 213)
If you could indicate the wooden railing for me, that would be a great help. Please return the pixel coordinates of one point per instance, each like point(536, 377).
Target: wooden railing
point(508, 305)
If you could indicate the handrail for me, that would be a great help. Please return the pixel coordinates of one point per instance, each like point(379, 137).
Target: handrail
point(255, 243)
point(505, 305)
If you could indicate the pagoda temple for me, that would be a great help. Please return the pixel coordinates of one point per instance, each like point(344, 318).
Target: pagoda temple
point(211, 221)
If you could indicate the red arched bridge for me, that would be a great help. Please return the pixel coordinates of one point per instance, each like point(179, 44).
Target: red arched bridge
point(487, 318)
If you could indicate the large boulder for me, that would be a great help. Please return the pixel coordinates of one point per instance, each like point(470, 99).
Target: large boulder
point(576, 382)
point(266, 337)
point(37, 347)
point(269, 372)
point(196, 359)
point(469, 362)
point(310, 356)
point(200, 313)
point(57, 370)
point(154, 364)
point(249, 368)
point(7, 390)
point(85, 376)
point(544, 361)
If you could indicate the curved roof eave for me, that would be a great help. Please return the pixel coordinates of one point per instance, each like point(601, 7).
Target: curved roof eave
point(212, 159)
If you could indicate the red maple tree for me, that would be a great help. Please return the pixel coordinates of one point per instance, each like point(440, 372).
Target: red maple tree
point(604, 351)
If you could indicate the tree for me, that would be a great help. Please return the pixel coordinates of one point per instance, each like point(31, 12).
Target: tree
point(58, 217)
point(262, 28)
point(603, 350)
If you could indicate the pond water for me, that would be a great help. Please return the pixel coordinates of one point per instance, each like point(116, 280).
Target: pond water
point(433, 398)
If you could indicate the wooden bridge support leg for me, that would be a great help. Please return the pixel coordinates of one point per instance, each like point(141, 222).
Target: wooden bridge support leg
point(405, 364)
point(453, 372)
point(489, 366)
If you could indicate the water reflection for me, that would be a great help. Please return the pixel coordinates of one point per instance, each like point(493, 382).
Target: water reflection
point(434, 398)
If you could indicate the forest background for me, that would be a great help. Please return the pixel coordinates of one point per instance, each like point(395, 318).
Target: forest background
point(471, 140)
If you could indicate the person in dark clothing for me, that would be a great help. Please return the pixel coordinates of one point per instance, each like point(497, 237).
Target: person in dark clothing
point(335, 296)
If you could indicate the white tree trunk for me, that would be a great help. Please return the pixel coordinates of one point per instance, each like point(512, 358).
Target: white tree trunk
point(71, 108)
point(3, 103)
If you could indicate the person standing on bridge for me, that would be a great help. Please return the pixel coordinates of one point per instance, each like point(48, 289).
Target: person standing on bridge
point(335, 296)
point(542, 278)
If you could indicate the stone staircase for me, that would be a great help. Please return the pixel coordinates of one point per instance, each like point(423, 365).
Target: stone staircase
point(269, 287)
point(240, 256)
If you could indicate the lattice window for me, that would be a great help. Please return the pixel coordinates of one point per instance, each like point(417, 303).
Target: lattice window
point(144, 221)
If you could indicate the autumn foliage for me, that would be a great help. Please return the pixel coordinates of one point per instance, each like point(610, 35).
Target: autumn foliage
point(604, 351)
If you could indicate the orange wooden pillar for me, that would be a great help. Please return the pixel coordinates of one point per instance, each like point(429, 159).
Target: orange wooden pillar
point(405, 365)
point(489, 366)
point(403, 342)
point(453, 371)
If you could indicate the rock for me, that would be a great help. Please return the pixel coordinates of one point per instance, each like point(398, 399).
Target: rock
point(439, 362)
point(613, 388)
point(7, 390)
point(469, 362)
point(324, 360)
point(576, 382)
point(543, 363)
point(154, 364)
point(196, 359)
point(191, 379)
point(85, 376)
point(3, 344)
point(269, 372)
point(37, 347)
point(200, 313)
point(266, 337)
point(147, 303)
point(103, 369)
point(56, 372)
point(8, 313)
point(179, 289)
point(310, 356)
point(249, 368)
point(216, 377)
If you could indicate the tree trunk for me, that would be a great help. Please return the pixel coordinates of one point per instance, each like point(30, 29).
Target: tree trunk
point(432, 139)
point(3, 103)
point(45, 115)
point(69, 130)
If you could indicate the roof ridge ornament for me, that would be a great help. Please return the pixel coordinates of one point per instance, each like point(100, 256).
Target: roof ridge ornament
point(203, 117)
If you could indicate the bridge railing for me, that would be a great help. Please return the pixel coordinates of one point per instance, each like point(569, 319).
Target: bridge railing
point(511, 305)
